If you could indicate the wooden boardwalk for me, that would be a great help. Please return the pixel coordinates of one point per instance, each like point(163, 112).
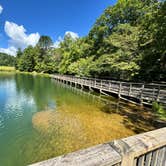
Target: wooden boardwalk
point(138, 92)
point(147, 149)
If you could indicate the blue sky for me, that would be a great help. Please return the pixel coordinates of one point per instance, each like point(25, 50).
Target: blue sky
point(23, 21)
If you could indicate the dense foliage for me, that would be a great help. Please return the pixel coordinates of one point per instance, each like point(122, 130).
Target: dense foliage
point(159, 110)
point(6, 60)
point(127, 42)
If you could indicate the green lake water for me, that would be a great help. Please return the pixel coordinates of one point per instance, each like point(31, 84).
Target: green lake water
point(41, 118)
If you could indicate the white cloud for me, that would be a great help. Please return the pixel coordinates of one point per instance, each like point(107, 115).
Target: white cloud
point(1, 9)
point(18, 37)
point(10, 50)
point(72, 34)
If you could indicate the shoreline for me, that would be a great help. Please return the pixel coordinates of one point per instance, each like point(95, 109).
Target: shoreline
point(10, 69)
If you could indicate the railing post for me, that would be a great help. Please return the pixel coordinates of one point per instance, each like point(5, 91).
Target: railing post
point(141, 94)
point(154, 94)
point(110, 85)
point(101, 84)
point(125, 151)
point(130, 89)
point(95, 82)
point(120, 87)
point(158, 94)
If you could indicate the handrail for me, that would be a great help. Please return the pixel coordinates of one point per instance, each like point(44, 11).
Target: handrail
point(90, 78)
point(147, 149)
point(145, 93)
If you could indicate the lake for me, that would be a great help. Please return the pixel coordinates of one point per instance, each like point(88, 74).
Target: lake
point(41, 118)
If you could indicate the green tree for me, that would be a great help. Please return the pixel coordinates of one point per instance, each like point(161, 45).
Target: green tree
point(45, 42)
point(26, 61)
point(125, 11)
point(153, 43)
point(82, 67)
point(68, 51)
point(18, 56)
point(120, 61)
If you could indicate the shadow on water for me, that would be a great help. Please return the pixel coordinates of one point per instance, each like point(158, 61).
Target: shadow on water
point(137, 118)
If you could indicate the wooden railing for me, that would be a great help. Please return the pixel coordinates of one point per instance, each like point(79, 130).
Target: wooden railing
point(144, 93)
point(147, 149)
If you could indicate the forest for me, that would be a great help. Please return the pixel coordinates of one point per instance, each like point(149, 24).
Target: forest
point(127, 42)
point(7, 60)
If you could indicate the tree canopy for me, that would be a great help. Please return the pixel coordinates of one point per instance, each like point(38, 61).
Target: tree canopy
point(45, 42)
point(127, 42)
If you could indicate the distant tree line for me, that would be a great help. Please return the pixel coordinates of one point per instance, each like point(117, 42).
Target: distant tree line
point(7, 60)
point(127, 42)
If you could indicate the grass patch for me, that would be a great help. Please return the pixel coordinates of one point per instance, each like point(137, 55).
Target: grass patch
point(7, 68)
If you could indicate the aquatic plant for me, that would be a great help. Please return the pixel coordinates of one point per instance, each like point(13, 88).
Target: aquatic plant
point(159, 110)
